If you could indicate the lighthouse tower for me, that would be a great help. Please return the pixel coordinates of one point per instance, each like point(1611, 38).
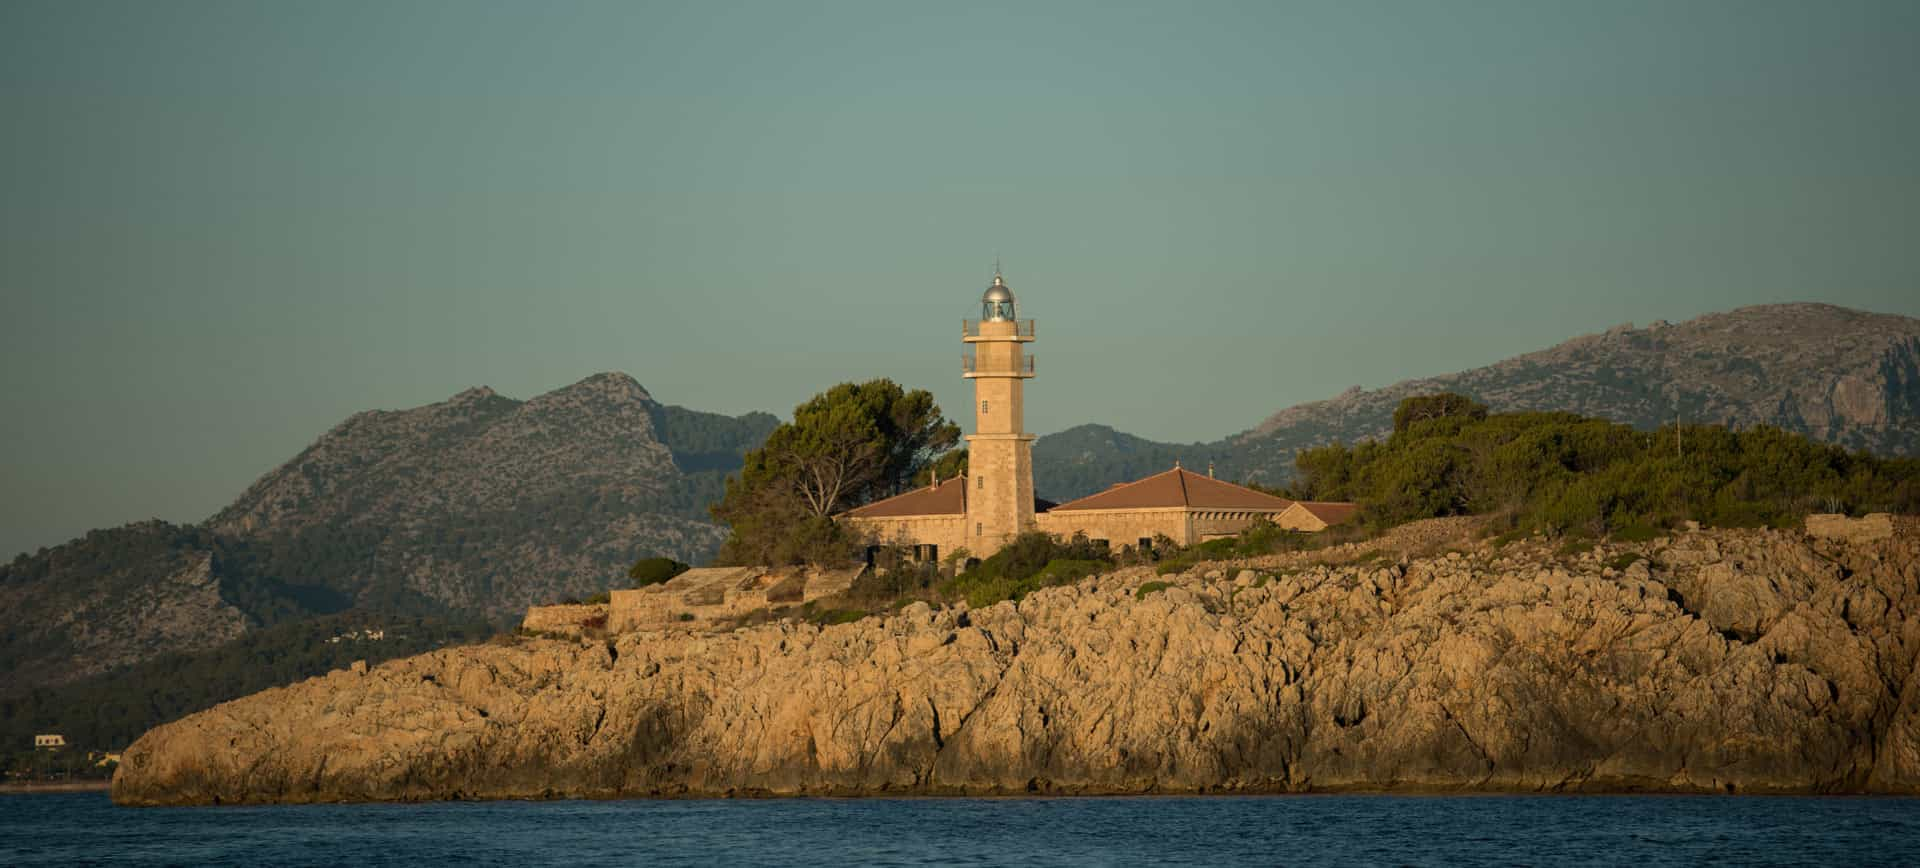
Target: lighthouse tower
point(999, 500)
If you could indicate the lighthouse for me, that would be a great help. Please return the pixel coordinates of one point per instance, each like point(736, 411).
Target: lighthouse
point(999, 497)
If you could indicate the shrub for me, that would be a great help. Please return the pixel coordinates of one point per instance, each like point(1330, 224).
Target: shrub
point(653, 571)
point(1031, 561)
point(828, 617)
point(904, 578)
point(1146, 588)
point(1637, 533)
point(1624, 560)
point(600, 599)
point(1262, 537)
point(1574, 548)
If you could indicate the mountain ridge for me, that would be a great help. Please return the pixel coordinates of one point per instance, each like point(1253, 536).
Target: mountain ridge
point(1836, 374)
point(473, 506)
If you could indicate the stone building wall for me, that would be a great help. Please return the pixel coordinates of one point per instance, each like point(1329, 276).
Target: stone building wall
point(565, 620)
point(948, 532)
point(1216, 523)
point(1119, 527)
point(1000, 493)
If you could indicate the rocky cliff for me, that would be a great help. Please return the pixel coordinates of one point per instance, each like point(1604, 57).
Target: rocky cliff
point(1841, 376)
point(1723, 661)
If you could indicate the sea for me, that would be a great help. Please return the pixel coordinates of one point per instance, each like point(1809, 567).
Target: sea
point(87, 829)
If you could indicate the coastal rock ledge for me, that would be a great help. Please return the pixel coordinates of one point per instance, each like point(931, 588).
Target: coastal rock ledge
point(1725, 661)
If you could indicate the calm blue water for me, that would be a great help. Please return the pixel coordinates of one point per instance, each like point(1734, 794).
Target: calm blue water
point(85, 828)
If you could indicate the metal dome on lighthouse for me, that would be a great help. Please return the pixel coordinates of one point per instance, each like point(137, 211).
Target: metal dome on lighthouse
point(996, 305)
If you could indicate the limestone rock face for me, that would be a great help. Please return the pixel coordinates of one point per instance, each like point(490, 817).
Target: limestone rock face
point(1743, 661)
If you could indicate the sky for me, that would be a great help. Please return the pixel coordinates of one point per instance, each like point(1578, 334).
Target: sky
point(224, 227)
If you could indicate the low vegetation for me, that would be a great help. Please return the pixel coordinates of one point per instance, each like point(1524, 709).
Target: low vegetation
point(1569, 475)
point(653, 571)
point(1034, 560)
point(1146, 588)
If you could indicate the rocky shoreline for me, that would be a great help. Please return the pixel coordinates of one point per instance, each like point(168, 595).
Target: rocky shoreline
point(1717, 661)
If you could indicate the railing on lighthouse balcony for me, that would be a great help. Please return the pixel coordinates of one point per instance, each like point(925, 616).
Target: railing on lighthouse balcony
point(1022, 328)
point(970, 367)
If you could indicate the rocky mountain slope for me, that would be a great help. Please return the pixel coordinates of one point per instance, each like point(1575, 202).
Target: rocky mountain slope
point(1838, 375)
point(112, 598)
point(482, 504)
point(472, 507)
point(1720, 661)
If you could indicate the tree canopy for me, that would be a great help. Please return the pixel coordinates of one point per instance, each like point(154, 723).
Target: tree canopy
point(948, 465)
point(845, 447)
point(1570, 474)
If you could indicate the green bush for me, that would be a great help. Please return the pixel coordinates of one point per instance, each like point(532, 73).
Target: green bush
point(653, 571)
point(1032, 561)
point(1565, 474)
point(1624, 560)
point(1146, 588)
point(1262, 537)
point(1637, 533)
point(1574, 548)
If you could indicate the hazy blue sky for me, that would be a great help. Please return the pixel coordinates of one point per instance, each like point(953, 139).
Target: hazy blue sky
point(225, 227)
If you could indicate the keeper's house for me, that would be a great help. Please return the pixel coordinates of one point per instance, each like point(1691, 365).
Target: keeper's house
point(994, 502)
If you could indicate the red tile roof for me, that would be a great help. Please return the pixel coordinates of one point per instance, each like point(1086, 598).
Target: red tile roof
point(1178, 488)
point(1330, 512)
point(947, 498)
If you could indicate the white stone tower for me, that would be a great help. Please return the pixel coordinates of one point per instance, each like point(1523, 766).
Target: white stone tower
point(1000, 451)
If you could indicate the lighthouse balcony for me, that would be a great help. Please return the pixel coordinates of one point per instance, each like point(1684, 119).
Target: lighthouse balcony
point(970, 368)
point(996, 330)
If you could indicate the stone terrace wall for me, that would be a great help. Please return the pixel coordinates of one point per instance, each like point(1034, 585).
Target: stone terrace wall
point(565, 620)
point(700, 599)
point(1878, 525)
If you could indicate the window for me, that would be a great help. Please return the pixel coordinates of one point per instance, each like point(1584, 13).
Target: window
point(980, 483)
point(1146, 543)
point(979, 528)
point(983, 406)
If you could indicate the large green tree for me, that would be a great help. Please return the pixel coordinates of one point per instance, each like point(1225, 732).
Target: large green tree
point(846, 446)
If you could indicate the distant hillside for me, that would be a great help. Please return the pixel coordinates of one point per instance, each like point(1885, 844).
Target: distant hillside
point(472, 507)
point(482, 504)
point(1837, 375)
point(1087, 458)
